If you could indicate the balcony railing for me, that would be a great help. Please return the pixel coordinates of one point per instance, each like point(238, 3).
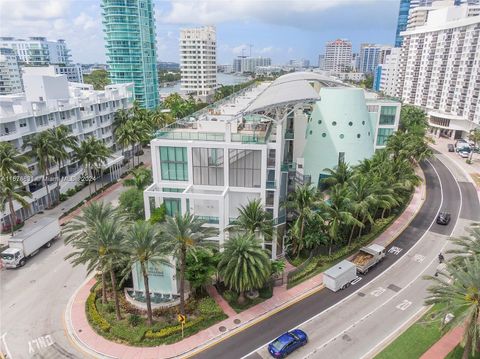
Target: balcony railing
point(209, 219)
point(198, 136)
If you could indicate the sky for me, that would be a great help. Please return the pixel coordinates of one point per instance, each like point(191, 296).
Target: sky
point(280, 29)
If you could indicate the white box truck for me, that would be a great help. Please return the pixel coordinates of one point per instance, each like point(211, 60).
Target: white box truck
point(368, 257)
point(28, 240)
point(340, 275)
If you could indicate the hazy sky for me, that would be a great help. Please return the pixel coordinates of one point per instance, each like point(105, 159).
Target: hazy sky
point(280, 29)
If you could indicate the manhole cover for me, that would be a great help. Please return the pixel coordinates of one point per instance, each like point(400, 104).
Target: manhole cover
point(360, 294)
point(222, 328)
point(347, 338)
point(237, 321)
point(394, 288)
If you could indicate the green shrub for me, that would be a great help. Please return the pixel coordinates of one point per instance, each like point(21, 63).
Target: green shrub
point(71, 191)
point(208, 306)
point(62, 197)
point(265, 292)
point(94, 316)
point(109, 308)
point(230, 296)
point(134, 320)
point(165, 332)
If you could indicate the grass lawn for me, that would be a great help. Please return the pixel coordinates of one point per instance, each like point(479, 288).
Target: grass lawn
point(415, 341)
point(458, 352)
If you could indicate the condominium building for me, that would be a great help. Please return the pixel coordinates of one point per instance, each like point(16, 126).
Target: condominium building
point(73, 72)
point(338, 55)
point(299, 63)
point(38, 51)
point(387, 75)
point(439, 70)
point(10, 79)
point(371, 55)
point(198, 61)
point(243, 64)
point(130, 36)
point(49, 101)
point(321, 62)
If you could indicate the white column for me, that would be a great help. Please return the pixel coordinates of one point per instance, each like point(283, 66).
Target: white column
point(146, 204)
point(221, 219)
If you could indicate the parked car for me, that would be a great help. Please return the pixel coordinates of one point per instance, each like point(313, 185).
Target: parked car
point(443, 218)
point(287, 343)
point(451, 148)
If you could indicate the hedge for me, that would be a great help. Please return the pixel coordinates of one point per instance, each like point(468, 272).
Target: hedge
point(93, 314)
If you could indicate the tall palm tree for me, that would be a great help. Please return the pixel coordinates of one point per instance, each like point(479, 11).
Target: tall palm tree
point(120, 118)
point(244, 265)
point(466, 246)
point(81, 233)
point(142, 177)
point(91, 153)
point(11, 161)
point(12, 189)
point(143, 243)
point(184, 235)
point(132, 133)
point(303, 201)
point(160, 118)
point(338, 175)
point(253, 219)
point(42, 148)
point(62, 140)
point(99, 243)
point(457, 291)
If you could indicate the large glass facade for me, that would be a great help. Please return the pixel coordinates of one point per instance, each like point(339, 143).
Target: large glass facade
point(387, 115)
point(208, 166)
point(245, 168)
point(383, 135)
point(173, 163)
point(172, 206)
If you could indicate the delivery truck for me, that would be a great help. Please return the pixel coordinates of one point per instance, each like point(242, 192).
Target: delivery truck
point(27, 241)
point(368, 257)
point(340, 275)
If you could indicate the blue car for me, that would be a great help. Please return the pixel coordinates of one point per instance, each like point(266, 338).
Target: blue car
point(287, 343)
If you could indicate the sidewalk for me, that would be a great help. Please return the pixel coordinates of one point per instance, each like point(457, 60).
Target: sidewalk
point(89, 341)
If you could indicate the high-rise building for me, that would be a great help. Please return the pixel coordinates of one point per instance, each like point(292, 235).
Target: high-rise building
point(321, 62)
point(371, 55)
point(338, 55)
point(198, 61)
point(402, 20)
point(50, 100)
point(129, 27)
point(388, 73)
point(10, 78)
point(439, 69)
point(74, 73)
point(248, 64)
point(38, 51)
point(299, 63)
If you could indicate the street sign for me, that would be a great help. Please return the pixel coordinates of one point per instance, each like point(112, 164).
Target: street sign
point(181, 318)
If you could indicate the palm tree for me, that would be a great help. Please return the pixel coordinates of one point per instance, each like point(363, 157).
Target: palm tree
point(81, 232)
point(143, 244)
point(43, 150)
point(339, 175)
point(142, 177)
point(98, 239)
point(253, 219)
point(12, 189)
point(244, 265)
point(303, 201)
point(184, 235)
point(457, 291)
point(91, 154)
point(474, 136)
point(160, 118)
point(11, 161)
point(61, 138)
point(466, 246)
point(120, 118)
point(131, 133)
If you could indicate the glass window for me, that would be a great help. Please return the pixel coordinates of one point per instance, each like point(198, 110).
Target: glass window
point(387, 115)
point(172, 206)
point(173, 163)
point(208, 166)
point(383, 135)
point(245, 168)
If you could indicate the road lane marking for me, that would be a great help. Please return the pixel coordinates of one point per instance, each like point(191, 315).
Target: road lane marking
point(5, 346)
point(395, 250)
point(419, 258)
point(356, 280)
point(378, 292)
point(404, 305)
point(41, 343)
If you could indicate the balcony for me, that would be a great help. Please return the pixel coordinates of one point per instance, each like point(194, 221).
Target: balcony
point(209, 219)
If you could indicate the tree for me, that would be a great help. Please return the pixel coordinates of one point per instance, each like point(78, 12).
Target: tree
point(474, 136)
point(132, 133)
point(142, 178)
point(61, 139)
point(131, 202)
point(339, 175)
point(98, 78)
point(201, 267)
point(12, 166)
point(303, 201)
point(92, 154)
point(457, 291)
point(466, 246)
point(12, 189)
point(244, 265)
point(253, 219)
point(142, 245)
point(81, 233)
point(185, 235)
point(121, 117)
point(43, 150)
point(160, 118)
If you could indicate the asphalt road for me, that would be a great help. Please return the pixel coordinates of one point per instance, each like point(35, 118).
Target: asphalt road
point(33, 300)
point(401, 285)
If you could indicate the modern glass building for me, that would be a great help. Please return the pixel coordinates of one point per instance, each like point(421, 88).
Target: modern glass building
point(402, 21)
point(131, 47)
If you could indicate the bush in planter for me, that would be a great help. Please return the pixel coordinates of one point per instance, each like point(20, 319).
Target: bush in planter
point(71, 191)
point(63, 197)
point(94, 316)
point(134, 320)
point(208, 306)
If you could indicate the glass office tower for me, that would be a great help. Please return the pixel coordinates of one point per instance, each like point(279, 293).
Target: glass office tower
point(129, 28)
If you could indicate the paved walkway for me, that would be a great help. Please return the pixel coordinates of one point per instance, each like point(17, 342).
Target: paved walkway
point(445, 345)
point(86, 338)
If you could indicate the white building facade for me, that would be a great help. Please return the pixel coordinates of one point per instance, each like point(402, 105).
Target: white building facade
point(73, 72)
point(389, 73)
point(10, 79)
point(50, 101)
point(38, 51)
point(198, 61)
point(338, 56)
point(439, 70)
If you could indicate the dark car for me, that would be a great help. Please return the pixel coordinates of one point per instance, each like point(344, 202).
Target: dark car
point(287, 343)
point(443, 218)
point(451, 148)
